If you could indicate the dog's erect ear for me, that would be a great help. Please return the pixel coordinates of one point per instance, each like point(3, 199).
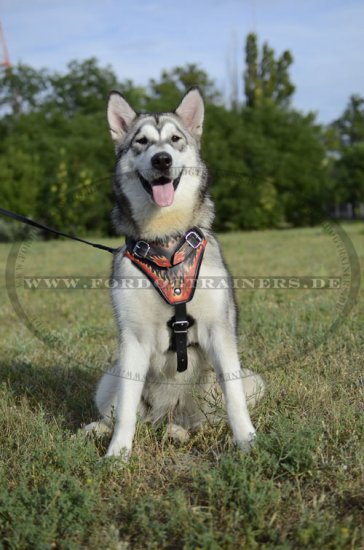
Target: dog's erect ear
point(119, 115)
point(191, 111)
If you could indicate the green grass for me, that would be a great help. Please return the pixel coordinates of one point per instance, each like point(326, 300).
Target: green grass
point(300, 487)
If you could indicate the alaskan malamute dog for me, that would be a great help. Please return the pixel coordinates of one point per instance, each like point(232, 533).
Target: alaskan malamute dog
point(163, 204)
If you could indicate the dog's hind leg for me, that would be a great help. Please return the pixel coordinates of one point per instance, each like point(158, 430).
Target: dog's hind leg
point(98, 428)
point(177, 433)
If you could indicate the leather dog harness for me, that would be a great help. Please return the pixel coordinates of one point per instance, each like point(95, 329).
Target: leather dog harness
point(173, 269)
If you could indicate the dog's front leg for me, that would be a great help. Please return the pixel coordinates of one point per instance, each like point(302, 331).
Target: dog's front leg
point(223, 353)
point(134, 362)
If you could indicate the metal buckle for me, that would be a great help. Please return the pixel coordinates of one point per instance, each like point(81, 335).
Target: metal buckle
point(183, 329)
point(193, 235)
point(141, 244)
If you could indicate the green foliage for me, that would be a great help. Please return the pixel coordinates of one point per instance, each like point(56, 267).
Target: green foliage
point(269, 172)
point(266, 79)
point(21, 176)
point(166, 93)
point(83, 89)
point(13, 231)
point(66, 202)
point(349, 172)
point(268, 162)
point(22, 89)
point(350, 125)
point(347, 144)
point(44, 501)
point(251, 76)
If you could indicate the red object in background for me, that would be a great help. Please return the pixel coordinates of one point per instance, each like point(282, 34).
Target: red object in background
point(5, 59)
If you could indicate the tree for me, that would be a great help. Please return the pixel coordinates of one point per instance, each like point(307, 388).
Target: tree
point(349, 174)
point(350, 126)
point(22, 89)
point(166, 93)
point(348, 167)
point(84, 88)
point(266, 79)
point(20, 176)
point(267, 161)
point(267, 165)
point(251, 77)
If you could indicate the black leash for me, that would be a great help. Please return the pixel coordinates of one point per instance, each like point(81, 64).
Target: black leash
point(180, 324)
point(31, 222)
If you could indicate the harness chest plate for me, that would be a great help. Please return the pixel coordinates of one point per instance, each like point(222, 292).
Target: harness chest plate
point(172, 268)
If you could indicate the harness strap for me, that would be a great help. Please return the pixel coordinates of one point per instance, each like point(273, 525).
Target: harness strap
point(33, 223)
point(180, 326)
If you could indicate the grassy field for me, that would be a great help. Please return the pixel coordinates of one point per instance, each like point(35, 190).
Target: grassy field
point(300, 487)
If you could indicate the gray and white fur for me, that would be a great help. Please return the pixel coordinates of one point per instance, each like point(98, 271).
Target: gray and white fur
point(145, 383)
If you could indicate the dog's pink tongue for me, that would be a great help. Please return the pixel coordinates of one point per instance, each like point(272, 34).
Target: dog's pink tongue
point(163, 194)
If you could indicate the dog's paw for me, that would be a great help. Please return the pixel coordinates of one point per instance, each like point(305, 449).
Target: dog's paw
point(97, 429)
point(246, 444)
point(177, 433)
point(119, 451)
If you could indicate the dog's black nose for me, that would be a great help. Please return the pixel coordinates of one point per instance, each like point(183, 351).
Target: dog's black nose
point(161, 161)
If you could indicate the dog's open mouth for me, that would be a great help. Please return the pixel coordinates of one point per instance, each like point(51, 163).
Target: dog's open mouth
point(161, 189)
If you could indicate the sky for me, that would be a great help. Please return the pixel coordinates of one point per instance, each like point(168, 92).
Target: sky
point(139, 39)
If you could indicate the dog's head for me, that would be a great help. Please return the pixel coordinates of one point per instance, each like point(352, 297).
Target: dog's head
point(157, 153)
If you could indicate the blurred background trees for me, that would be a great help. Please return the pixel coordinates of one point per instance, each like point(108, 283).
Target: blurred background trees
point(266, 79)
point(271, 165)
point(348, 169)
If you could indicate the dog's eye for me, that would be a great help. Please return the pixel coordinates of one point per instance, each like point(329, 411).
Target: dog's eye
point(175, 138)
point(142, 141)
